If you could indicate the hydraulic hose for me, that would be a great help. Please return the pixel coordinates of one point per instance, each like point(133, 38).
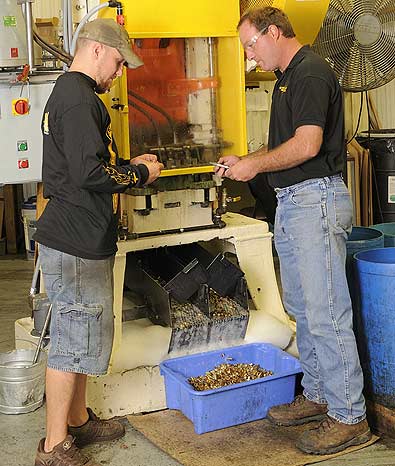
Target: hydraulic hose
point(158, 109)
point(149, 117)
point(55, 51)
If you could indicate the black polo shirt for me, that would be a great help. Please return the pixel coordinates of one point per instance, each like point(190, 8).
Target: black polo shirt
point(308, 93)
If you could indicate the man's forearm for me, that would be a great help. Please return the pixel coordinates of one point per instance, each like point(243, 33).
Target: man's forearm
point(303, 146)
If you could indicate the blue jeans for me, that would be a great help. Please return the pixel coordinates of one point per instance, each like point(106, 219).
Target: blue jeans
point(313, 220)
point(82, 322)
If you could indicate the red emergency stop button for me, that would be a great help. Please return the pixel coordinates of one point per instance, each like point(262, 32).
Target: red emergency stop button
point(23, 163)
point(20, 106)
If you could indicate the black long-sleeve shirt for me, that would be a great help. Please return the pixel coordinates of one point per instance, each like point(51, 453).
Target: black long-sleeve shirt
point(81, 172)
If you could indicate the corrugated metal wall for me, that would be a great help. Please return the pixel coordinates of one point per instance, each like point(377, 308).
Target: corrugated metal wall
point(46, 8)
point(384, 101)
point(50, 8)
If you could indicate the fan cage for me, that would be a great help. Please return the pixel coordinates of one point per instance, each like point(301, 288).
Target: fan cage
point(357, 38)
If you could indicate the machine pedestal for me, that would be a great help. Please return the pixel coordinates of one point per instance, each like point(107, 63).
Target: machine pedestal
point(133, 383)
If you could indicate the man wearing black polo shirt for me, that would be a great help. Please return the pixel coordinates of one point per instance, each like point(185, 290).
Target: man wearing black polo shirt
point(304, 162)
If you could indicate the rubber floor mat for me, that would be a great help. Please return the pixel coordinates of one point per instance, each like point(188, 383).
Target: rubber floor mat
point(252, 444)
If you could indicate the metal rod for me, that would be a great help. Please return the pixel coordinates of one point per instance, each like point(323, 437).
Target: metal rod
point(33, 288)
point(43, 332)
point(27, 8)
point(213, 92)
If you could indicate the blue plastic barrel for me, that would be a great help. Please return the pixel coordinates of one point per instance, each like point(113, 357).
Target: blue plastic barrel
point(388, 230)
point(360, 239)
point(375, 275)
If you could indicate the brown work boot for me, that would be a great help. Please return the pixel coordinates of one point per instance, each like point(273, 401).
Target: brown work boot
point(300, 411)
point(63, 454)
point(332, 436)
point(96, 430)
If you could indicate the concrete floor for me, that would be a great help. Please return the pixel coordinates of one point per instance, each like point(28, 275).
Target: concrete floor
point(20, 434)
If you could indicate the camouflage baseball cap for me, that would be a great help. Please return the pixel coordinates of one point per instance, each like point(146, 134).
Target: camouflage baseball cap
point(108, 32)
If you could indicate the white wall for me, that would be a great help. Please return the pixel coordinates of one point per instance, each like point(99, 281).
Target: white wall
point(384, 98)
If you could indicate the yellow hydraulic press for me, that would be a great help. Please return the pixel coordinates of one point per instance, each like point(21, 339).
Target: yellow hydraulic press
point(186, 105)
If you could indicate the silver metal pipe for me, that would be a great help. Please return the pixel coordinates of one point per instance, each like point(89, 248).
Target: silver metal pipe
point(66, 45)
point(70, 22)
point(213, 92)
point(212, 57)
point(27, 11)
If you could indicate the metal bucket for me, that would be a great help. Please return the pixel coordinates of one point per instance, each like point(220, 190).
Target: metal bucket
point(21, 383)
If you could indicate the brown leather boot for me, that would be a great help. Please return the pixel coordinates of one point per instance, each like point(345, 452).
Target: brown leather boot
point(332, 436)
point(300, 411)
point(96, 430)
point(63, 454)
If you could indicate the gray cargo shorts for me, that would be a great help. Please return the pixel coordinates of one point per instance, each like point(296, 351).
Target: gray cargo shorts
point(82, 322)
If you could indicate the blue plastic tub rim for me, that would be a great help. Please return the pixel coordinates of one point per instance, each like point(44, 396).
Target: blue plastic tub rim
point(361, 234)
point(183, 380)
point(384, 227)
point(376, 261)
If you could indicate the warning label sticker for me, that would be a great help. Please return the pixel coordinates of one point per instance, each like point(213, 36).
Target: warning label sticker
point(9, 21)
point(391, 189)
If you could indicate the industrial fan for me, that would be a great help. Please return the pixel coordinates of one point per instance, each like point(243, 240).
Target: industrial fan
point(358, 39)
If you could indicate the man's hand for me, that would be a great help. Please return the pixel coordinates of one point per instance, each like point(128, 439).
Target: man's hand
point(154, 169)
point(245, 169)
point(144, 158)
point(228, 160)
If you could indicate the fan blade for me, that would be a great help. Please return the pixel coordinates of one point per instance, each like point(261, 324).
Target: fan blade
point(374, 77)
point(343, 6)
point(330, 40)
point(382, 58)
point(387, 18)
point(384, 5)
point(341, 62)
point(363, 7)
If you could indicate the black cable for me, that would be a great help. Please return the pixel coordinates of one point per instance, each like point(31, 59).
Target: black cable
point(359, 119)
point(373, 167)
point(147, 115)
point(56, 52)
point(52, 47)
point(158, 109)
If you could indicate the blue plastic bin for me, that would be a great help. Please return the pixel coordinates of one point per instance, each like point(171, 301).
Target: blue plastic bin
point(388, 229)
point(375, 273)
point(235, 404)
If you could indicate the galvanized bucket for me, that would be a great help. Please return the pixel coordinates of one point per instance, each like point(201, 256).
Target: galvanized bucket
point(21, 383)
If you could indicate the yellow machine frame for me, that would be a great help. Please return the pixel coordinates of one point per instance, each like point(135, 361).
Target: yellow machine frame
point(203, 18)
point(206, 18)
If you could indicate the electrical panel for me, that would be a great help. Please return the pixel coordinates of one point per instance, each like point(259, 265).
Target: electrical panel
point(21, 110)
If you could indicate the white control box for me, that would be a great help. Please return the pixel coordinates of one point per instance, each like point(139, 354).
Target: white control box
point(21, 111)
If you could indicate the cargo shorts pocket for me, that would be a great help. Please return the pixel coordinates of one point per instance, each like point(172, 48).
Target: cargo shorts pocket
point(79, 329)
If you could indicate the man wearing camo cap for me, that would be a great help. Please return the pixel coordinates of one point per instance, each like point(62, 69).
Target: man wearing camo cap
point(77, 236)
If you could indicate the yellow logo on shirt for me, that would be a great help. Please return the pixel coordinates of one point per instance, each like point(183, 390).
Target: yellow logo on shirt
point(113, 157)
point(46, 124)
point(283, 89)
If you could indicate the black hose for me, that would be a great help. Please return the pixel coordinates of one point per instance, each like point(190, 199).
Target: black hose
point(56, 52)
point(158, 109)
point(147, 115)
